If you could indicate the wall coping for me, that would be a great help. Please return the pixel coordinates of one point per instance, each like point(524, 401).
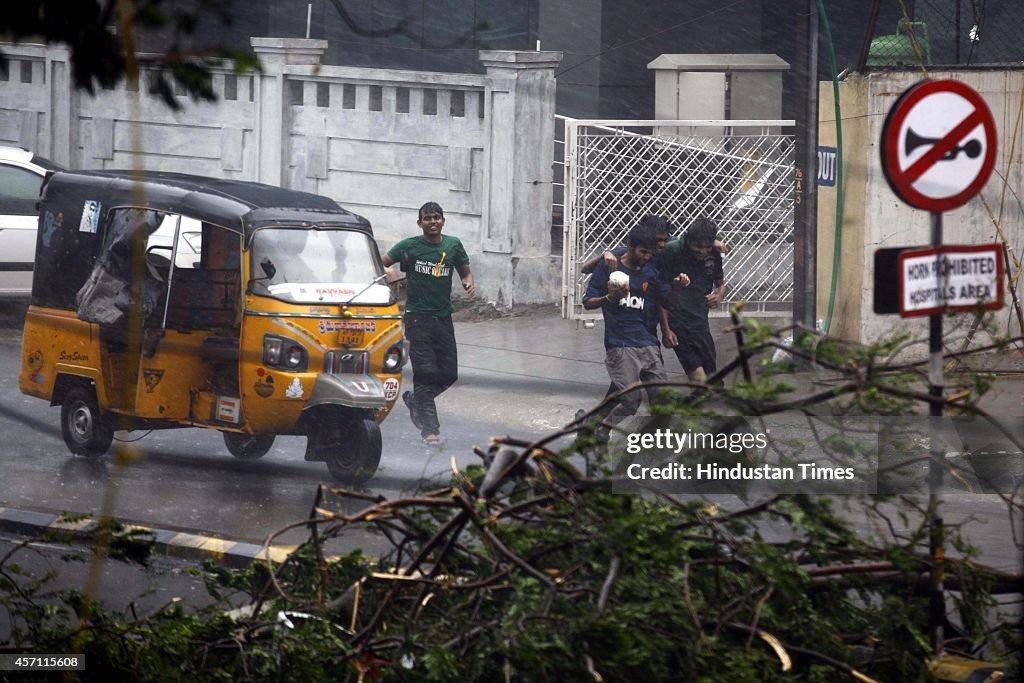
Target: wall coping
point(520, 59)
point(289, 50)
point(25, 50)
point(719, 62)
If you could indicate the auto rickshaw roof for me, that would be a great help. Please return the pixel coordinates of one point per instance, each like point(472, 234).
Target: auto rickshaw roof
point(235, 204)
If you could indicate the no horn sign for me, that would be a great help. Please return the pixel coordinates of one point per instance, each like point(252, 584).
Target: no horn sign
point(938, 145)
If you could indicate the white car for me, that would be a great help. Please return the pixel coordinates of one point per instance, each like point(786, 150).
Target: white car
point(21, 175)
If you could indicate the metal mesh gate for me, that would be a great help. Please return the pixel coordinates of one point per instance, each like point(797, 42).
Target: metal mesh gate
point(738, 173)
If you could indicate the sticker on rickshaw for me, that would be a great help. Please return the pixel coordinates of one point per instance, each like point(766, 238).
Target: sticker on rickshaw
point(90, 216)
point(339, 325)
point(390, 389)
point(264, 387)
point(229, 409)
point(321, 293)
point(350, 332)
point(152, 378)
point(294, 389)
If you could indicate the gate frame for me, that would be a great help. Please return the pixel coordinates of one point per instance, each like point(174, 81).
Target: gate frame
point(570, 166)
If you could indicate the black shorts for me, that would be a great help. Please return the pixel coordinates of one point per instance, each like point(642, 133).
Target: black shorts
point(696, 350)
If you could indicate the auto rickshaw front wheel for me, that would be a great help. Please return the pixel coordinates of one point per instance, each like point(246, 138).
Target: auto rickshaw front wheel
point(248, 446)
point(349, 443)
point(82, 423)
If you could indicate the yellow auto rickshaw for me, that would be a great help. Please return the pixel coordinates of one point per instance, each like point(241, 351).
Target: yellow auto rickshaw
point(167, 300)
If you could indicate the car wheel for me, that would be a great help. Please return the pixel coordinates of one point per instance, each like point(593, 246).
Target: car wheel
point(83, 426)
point(248, 446)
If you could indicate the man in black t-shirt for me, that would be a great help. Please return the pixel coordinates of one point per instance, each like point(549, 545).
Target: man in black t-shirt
point(630, 312)
point(688, 330)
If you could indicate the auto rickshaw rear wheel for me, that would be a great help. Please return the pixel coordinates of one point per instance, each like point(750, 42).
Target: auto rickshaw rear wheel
point(349, 442)
point(82, 424)
point(248, 446)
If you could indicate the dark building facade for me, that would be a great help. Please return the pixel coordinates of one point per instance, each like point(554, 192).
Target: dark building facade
point(607, 45)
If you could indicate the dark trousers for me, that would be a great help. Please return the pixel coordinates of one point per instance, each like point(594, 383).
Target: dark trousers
point(435, 364)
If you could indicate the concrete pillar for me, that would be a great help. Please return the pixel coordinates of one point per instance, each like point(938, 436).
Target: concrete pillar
point(62, 105)
point(276, 54)
point(518, 176)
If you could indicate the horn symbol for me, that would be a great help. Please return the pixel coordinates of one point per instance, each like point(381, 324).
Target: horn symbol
point(972, 148)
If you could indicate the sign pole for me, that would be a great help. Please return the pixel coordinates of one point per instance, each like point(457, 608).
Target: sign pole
point(938, 150)
point(937, 612)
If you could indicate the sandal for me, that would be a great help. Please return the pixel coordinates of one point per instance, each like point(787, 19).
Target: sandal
point(433, 440)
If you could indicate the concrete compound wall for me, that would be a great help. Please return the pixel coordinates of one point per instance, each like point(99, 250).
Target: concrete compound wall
point(380, 142)
point(873, 217)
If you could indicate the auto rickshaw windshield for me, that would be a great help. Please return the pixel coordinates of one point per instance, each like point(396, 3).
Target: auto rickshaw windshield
point(317, 266)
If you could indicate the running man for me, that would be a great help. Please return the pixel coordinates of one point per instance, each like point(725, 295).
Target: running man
point(429, 260)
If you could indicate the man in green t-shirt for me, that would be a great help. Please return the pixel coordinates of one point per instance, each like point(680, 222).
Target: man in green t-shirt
point(428, 261)
point(685, 326)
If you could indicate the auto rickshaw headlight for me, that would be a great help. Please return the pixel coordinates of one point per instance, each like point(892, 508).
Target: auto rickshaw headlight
point(272, 350)
point(293, 357)
point(284, 353)
point(393, 359)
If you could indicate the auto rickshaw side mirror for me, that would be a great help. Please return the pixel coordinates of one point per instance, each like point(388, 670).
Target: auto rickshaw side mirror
point(268, 268)
point(269, 271)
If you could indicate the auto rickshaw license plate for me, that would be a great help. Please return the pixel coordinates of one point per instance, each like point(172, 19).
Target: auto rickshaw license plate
point(350, 337)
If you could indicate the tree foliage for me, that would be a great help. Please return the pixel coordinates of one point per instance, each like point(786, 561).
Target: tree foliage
point(534, 568)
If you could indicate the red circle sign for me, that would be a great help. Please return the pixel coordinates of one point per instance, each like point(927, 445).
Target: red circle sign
point(938, 145)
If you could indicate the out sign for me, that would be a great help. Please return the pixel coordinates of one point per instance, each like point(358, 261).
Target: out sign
point(827, 166)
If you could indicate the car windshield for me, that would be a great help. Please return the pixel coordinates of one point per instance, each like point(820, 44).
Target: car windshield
point(317, 266)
